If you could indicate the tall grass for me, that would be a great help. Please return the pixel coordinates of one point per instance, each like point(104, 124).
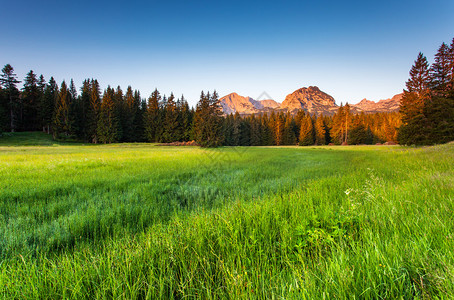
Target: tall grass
point(139, 221)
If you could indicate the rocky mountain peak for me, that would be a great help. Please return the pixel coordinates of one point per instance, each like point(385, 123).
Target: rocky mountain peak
point(311, 100)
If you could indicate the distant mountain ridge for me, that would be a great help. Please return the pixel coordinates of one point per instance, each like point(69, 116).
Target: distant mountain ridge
point(386, 105)
point(233, 103)
point(310, 99)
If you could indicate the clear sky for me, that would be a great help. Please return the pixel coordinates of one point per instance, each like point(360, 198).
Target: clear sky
point(349, 49)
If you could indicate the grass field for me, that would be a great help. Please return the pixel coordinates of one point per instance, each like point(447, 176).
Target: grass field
point(140, 221)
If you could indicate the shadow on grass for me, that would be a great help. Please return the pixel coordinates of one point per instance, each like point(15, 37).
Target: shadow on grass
point(18, 139)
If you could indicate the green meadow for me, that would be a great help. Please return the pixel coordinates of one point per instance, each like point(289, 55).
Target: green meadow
point(142, 221)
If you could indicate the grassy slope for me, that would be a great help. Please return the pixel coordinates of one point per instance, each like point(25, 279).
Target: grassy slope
point(139, 221)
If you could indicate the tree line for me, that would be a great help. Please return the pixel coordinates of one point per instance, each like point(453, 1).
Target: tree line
point(427, 106)
point(426, 114)
point(117, 116)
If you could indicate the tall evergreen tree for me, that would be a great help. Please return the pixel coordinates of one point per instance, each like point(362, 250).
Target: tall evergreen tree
point(75, 111)
point(337, 131)
point(288, 135)
point(440, 71)
point(84, 110)
point(208, 121)
point(47, 105)
point(152, 117)
point(306, 136)
point(31, 95)
point(266, 132)
point(130, 113)
point(170, 120)
point(93, 112)
point(451, 69)
point(185, 119)
point(319, 131)
point(139, 109)
point(414, 122)
point(278, 123)
point(256, 131)
point(9, 80)
point(62, 123)
point(107, 129)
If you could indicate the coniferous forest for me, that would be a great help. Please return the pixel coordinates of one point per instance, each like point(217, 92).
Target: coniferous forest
point(90, 115)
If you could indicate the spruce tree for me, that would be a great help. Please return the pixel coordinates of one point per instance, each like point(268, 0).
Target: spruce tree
point(31, 95)
point(319, 131)
point(93, 112)
point(185, 120)
point(75, 112)
point(62, 123)
point(130, 113)
point(139, 110)
point(306, 136)
point(288, 135)
point(47, 105)
point(152, 117)
point(439, 109)
point(414, 129)
point(337, 132)
point(440, 71)
point(170, 120)
point(84, 110)
point(278, 128)
point(236, 129)
point(107, 129)
point(9, 80)
point(208, 121)
point(256, 131)
point(419, 81)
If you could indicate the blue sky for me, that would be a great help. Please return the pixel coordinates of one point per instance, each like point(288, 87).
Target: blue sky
point(349, 49)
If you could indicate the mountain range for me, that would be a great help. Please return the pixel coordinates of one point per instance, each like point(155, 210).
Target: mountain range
point(310, 99)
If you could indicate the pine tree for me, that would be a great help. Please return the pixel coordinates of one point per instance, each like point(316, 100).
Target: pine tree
point(440, 71)
point(419, 80)
point(414, 123)
point(84, 110)
point(9, 80)
point(288, 135)
point(152, 117)
point(266, 132)
point(208, 121)
point(75, 111)
point(278, 128)
point(340, 125)
point(31, 95)
point(439, 108)
point(306, 136)
point(451, 69)
point(130, 113)
point(170, 120)
point(185, 120)
point(359, 133)
point(93, 112)
point(256, 131)
point(47, 105)
point(107, 129)
point(319, 131)
point(62, 123)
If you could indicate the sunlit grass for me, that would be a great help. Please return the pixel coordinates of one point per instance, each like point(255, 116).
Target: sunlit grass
point(142, 221)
